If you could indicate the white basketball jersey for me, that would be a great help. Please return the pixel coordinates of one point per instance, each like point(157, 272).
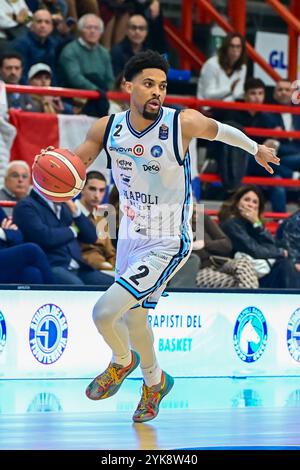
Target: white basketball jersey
point(152, 176)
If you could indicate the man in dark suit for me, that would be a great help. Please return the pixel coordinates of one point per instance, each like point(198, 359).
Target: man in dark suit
point(287, 149)
point(20, 263)
point(58, 229)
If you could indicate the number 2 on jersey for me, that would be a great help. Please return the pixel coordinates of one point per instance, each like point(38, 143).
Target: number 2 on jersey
point(144, 271)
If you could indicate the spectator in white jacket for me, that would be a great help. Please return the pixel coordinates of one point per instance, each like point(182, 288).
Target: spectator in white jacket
point(14, 16)
point(222, 76)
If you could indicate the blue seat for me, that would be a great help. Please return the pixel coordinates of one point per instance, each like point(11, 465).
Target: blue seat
point(179, 75)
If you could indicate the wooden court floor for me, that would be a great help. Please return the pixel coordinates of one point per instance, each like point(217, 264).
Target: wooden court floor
point(172, 430)
point(200, 424)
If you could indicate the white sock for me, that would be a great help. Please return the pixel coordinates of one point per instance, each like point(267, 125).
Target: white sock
point(122, 360)
point(152, 375)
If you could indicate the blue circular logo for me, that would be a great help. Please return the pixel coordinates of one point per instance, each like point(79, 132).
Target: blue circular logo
point(3, 334)
point(48, 333)
point(156, 151)
point(250, 334)
point(293, 335)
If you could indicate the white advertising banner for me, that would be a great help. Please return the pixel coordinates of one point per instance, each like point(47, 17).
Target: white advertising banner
point(51, 334)
point(273, 47)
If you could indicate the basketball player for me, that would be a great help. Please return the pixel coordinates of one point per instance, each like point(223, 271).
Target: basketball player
point(147, 149)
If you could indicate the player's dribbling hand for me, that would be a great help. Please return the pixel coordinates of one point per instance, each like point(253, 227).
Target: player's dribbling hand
point(42, 152)
point(266, 155)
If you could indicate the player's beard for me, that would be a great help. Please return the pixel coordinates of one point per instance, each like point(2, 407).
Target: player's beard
point(148, 115)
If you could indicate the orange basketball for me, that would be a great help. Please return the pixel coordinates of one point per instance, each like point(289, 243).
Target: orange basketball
point(59, 175)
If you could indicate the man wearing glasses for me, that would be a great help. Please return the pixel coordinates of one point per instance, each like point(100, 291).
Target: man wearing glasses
point(16, 183)
point(134, 42)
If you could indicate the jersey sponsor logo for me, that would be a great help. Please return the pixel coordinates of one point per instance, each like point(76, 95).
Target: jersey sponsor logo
point(120, 149)
point(125, 179)
point(293, 335)
point(163, 133)
point(138, 150)
point(3, 334)
point(153, 167)
point(124, 165)
point(48, 334)
point(250, 334)
point(156, 151)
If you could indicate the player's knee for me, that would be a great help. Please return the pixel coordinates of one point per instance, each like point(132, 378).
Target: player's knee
point(136, 322)
point(102, 316)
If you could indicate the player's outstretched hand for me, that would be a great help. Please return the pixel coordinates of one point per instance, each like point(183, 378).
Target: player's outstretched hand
point(42, 152)
point(266, 155)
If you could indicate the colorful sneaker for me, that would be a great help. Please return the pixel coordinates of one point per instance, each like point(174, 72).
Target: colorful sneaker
point(148, 406)
point(108, 383)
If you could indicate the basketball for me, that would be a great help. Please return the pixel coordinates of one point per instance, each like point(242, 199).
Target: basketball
point(58, 175)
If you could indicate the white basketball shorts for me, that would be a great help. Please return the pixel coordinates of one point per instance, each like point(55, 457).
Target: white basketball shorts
point(144, 268)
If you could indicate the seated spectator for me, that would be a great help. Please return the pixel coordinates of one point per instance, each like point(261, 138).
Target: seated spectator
point(241, 220)
point(287, 149)
point(152, 11)
point(234, 163)
point(134, 42)
point(40, 75)
point(38, 45)
point(218, 269)
point(20, 262)
point(222, 76)
point(58, 229)
point(101, 254)
point(85, 64)
point(288, 237)
point(64, 26)
point(276, 194)
point(14, 17)
point(11, 70)
point(16, 183)
point(282, 95)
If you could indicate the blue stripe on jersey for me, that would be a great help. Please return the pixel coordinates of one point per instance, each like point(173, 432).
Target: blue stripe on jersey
point(185, 238)
point(145, 131)
point(105, 138)
point(184, 245)
point(135, 306)
point(138, 295)
point(147, 304)
point(175, 138)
